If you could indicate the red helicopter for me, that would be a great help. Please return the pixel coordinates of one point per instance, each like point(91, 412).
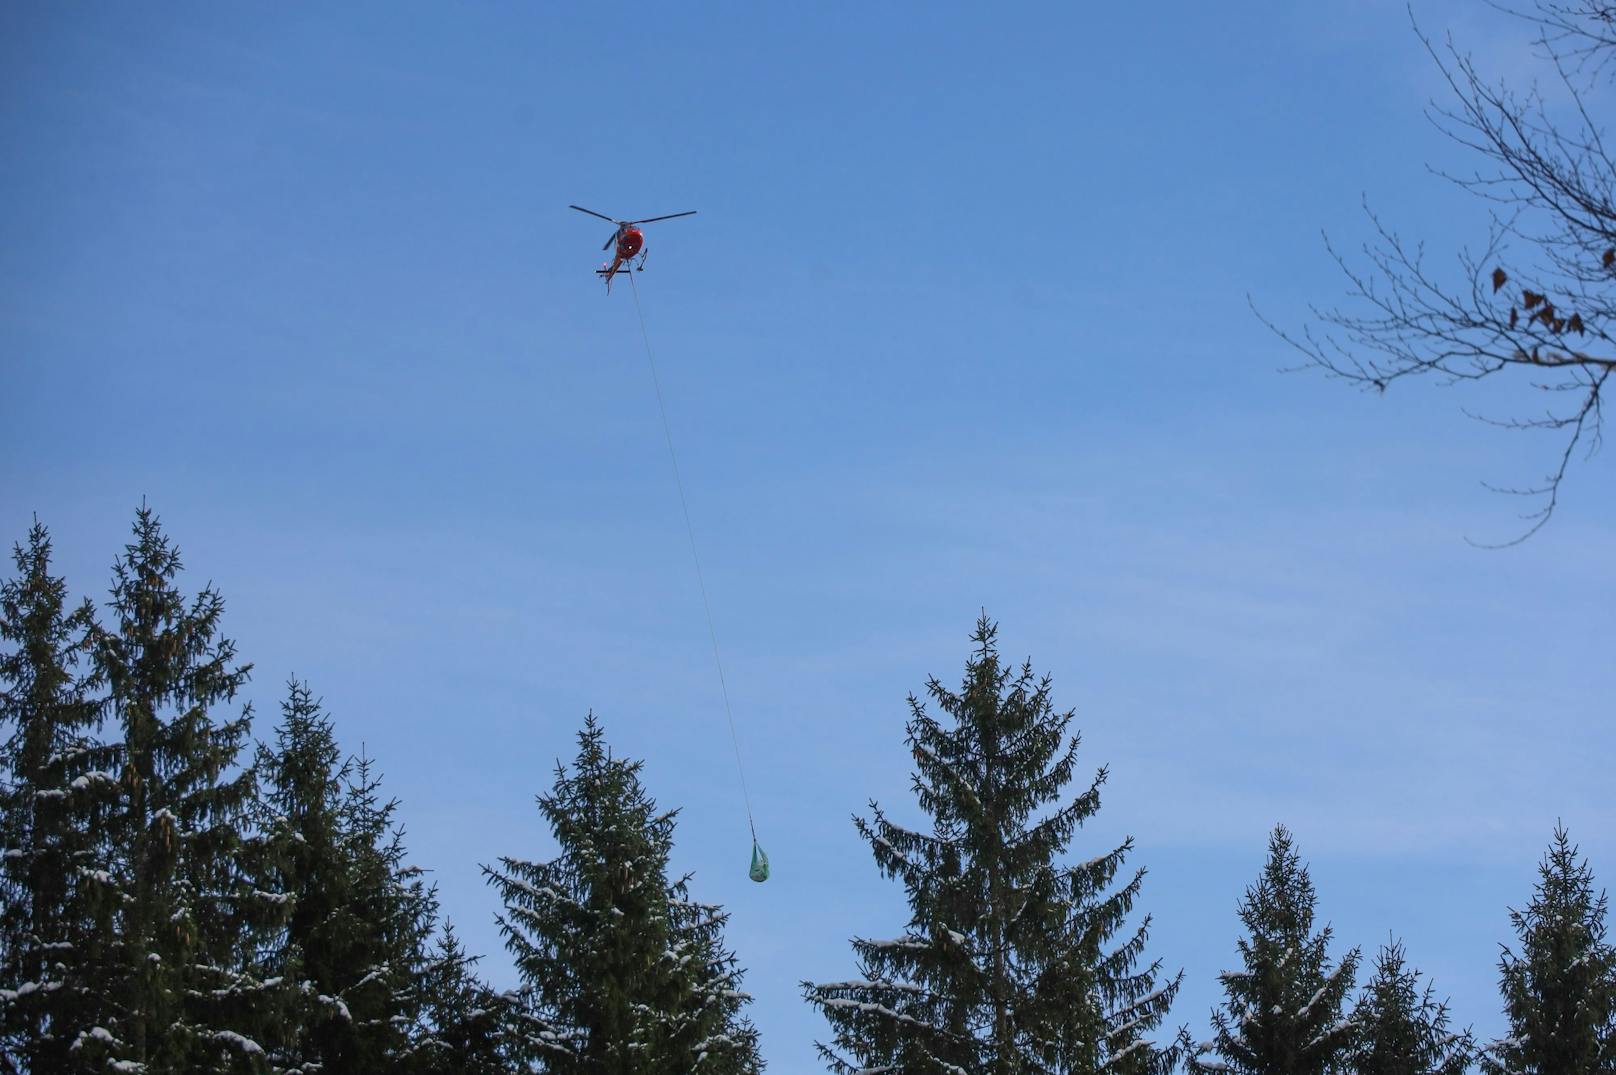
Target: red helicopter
point(630, 241)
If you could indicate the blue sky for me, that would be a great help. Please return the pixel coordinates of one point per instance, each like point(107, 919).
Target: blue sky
point(962, 324)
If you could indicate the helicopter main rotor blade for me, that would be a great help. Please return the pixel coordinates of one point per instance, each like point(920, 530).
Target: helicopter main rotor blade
point(612, 240)
point(654, 219)
point(591, 212)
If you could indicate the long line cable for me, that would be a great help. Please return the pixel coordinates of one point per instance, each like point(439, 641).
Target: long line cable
point(690, 532)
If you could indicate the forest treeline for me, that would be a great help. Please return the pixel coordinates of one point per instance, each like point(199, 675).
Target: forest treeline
point(180, 896)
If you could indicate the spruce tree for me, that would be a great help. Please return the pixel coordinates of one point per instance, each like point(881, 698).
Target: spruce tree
point(1283, 1012)
point(1401, 1029)
point(354, 948)
point(621, 973)
point(49, 797)
point(1560, 990)
point(303, 784)
point(465, 1019)
point(395, 914)
point(1008, 965)
point(189, 918)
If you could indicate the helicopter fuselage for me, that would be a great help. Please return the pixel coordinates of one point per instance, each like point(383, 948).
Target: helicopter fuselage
point(630, 241)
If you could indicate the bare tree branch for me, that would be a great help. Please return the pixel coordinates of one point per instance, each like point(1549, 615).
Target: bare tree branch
point(1538, 299)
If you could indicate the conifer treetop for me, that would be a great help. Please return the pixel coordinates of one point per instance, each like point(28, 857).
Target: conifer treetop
point(45, 704)
point(1283, 1012)
point(188, 911)
point(1402, 1029)
point(623, 973)
point(51, 782)
point(1008, 963)
point(1559, 989)
point(160, 650)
